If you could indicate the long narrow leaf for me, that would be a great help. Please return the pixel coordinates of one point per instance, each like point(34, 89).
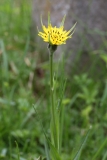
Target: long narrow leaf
point(104, 97)
point(47, 150)
point(18, 154)
point(4, 60)
point(54, 152)
point(46, 138)
point(99, 150)
point(105, 156)
point(81, 147)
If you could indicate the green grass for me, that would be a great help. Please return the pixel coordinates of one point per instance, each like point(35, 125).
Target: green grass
point(24, 84)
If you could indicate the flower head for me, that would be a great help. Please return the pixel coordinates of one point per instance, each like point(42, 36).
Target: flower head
point(54, 35)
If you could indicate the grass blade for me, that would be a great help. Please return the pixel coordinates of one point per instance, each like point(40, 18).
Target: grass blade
point(4, 60)
point(105, 156)
point(81, 147)
point(99, 150)
point(104, 97)
point(54, 153)
point(18, 154)
point(47, 151)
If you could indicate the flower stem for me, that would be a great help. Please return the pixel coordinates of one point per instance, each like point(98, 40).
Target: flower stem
point(53, 109)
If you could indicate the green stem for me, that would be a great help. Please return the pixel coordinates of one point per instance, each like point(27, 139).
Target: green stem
point(53, 120)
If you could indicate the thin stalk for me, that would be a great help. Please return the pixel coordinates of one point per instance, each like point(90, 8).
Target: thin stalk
point(53, 109)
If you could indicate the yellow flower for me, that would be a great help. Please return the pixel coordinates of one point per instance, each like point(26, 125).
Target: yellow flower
point(54, 35)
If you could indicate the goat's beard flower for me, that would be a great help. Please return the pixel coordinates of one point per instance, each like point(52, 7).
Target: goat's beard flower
point(56, 36)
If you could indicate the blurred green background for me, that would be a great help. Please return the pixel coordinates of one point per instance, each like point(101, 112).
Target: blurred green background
point(24, 84)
